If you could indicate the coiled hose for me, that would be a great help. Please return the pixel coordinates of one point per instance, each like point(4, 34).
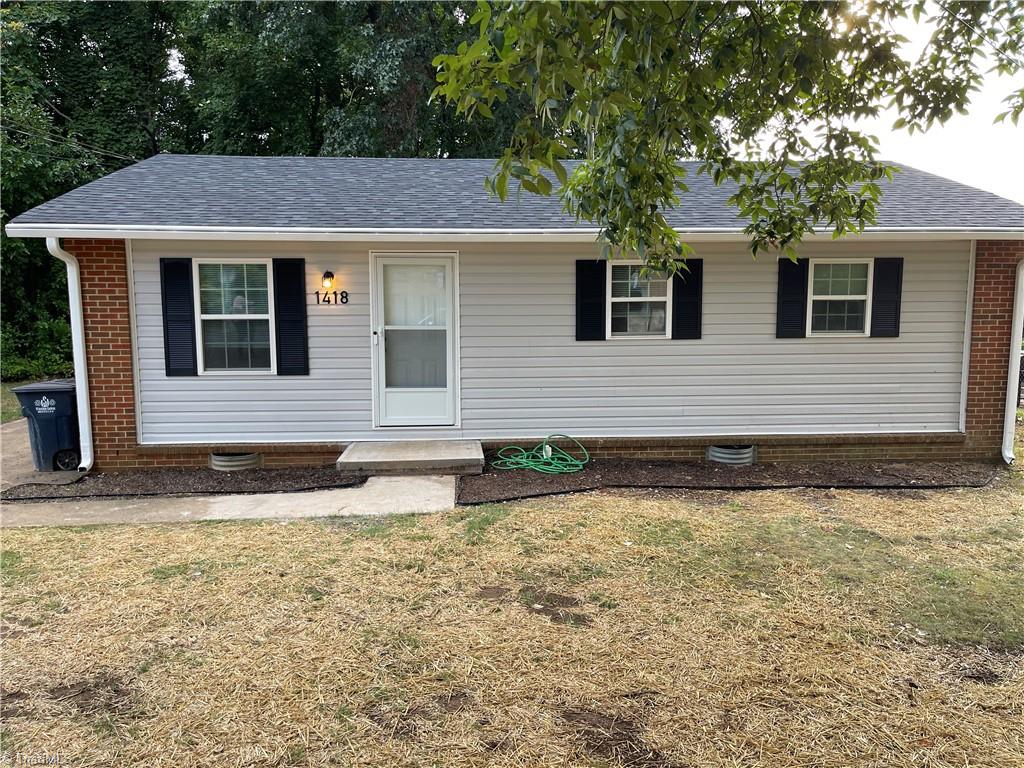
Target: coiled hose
point(546, 458)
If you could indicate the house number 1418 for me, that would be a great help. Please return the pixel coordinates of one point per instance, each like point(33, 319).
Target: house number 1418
point(332, 297)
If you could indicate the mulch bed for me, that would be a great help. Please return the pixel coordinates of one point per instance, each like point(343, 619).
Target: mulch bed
point(187, 482)
point(505, 485)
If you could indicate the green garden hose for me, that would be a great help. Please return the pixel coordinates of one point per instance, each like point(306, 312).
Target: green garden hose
point(546, 458)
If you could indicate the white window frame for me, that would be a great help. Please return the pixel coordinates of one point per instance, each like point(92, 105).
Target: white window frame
point(865, 298)
point(608, 301)
point(199, 317)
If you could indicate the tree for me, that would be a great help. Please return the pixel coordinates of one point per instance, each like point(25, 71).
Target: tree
point(91, 87)
point(86, 90)
point(328, 79)
point(763, 94)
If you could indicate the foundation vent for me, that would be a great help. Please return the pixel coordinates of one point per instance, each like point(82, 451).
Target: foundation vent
point(737, 455)
point(232, 462)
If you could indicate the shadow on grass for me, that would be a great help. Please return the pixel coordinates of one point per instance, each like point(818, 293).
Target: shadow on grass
point(948, 602)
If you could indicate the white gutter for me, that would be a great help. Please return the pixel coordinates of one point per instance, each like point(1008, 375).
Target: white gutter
point(461, 234)
point(1012, 376)
point(965, 358)
point(78, 352)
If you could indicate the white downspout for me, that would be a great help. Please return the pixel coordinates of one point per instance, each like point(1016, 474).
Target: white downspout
point(78, 352)
point(1012, 376)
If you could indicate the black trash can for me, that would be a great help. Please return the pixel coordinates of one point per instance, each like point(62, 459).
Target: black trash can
point(50, 408)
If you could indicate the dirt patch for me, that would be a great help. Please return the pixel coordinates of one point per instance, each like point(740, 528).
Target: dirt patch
point(540, 601)
point(395, 724)
point(549, 599)
point(6, 631)
point(103, 694)
point(12, 704)
point(979, 665)
point(616, 738)
point(454, 701)
point(983, 675)
point(554, 606)
point(492, 593)
point(187, 482)
point(505, 485)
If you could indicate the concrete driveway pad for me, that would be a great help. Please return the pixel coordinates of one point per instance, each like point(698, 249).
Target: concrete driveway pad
point(16, 459)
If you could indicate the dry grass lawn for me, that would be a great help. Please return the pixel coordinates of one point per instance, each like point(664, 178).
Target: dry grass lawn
point(776, 629)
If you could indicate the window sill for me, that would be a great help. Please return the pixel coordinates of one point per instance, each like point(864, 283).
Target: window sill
point(638, 338)
point(855, 335)
point(238, 372)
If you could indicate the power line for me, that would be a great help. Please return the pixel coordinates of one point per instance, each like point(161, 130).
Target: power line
point(67, 143)
point(987, 38)
point(48, 156)
point(78, 142)
point(71, 142)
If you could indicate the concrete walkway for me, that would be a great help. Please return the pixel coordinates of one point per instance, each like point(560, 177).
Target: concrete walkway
point(390, 495)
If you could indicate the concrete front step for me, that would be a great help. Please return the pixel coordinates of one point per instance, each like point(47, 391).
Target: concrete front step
point(453, 457)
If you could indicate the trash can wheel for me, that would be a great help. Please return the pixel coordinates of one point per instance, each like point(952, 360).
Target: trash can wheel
point(66, 460)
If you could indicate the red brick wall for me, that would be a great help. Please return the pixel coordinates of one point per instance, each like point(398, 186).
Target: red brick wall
point(108, 349)
point(109, 352)
point(995, 272)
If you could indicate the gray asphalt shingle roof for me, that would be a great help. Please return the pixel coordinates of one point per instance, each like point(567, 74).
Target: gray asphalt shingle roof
point(201, 191)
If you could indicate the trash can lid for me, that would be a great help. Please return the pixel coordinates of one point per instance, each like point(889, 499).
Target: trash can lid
point(54, 385)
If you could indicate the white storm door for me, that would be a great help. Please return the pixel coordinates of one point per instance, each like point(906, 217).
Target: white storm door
point(414, 348)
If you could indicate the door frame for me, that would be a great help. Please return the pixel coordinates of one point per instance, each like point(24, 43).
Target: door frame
point(455, 341)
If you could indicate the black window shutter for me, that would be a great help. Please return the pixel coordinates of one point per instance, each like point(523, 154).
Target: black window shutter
point(687, 291)
point(590, 299)
point(885, 297)
point(179, 317)
point(290, 317)
point(791, 306)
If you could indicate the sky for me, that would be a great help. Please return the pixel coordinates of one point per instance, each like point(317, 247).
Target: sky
point(968, 148)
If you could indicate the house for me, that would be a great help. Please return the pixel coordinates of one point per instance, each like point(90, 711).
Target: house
point(290, 306)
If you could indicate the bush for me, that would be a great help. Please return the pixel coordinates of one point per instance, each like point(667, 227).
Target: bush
point(20, 369)
point(43, 352)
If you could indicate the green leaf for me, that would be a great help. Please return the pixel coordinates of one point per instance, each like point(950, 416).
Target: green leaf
point(560, 173)
point(638, 85)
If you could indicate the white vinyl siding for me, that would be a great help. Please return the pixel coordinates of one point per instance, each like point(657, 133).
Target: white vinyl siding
point(524, 375)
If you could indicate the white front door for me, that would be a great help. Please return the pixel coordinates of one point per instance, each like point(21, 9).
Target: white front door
point(413, 339)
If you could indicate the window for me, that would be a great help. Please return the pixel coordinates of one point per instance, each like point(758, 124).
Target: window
point(839, 302)
point(639, 302)
point(235, 318)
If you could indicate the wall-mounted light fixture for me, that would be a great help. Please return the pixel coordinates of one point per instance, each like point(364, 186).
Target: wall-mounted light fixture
point(328, 280)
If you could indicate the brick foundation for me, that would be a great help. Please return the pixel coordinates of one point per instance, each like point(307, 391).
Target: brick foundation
point(277, 455)
point(105, 289)
point(900, 447)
